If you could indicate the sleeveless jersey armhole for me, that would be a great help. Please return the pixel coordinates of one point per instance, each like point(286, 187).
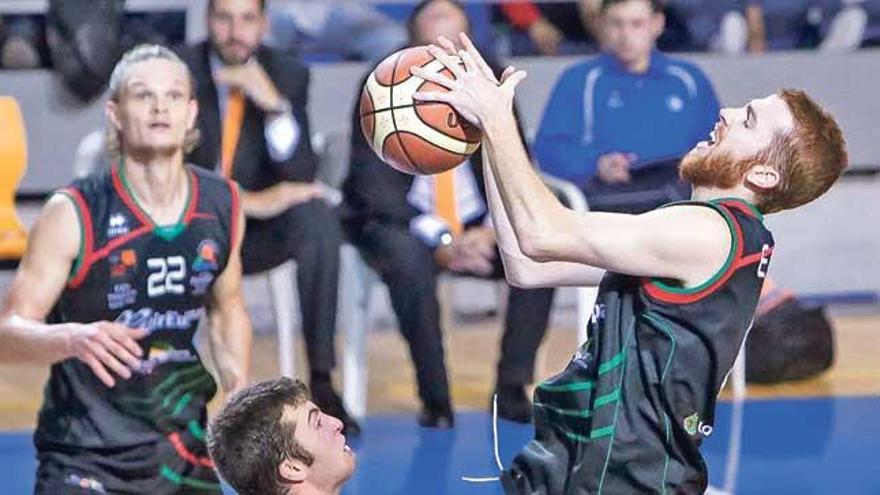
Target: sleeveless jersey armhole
point(662, 291)
point(80, 266)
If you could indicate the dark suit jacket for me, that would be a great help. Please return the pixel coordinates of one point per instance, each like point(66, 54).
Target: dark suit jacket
point(253, 168)
point(375, 193)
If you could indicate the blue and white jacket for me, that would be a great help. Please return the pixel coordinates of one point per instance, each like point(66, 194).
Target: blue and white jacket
point(598, 107)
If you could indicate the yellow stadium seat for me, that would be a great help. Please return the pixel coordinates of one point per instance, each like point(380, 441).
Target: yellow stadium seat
point(13, 162)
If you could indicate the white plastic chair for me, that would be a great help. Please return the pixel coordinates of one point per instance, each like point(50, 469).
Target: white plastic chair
point(357, 283)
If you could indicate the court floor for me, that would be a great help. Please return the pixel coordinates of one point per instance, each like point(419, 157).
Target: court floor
point(824, 446)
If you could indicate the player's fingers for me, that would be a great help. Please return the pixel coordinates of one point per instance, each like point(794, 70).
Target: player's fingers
point(127, 337)
point(473, 67)
point(446, 44)
point(448, 61)
point(475, 54)
point(98, 370)
point(109, 361)
point(434, 77)
point(119, 350)
point(514, 79)
point(432, 96)
point(507, 72)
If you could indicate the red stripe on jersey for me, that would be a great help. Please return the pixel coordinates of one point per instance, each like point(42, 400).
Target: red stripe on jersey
point(89, 238)
point(753, 258)
point(233, 222)
point(740, 207)
point(119, 242)
point(185, 454)
point(193, 197)
point(658, 293)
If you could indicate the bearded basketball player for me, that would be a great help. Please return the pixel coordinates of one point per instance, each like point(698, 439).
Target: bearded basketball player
point(628, 413)
point(120, 267)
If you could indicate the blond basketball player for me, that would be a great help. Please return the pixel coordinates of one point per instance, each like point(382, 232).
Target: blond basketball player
point(629, 412)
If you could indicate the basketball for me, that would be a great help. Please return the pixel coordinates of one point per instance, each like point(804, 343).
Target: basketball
point(419, 138)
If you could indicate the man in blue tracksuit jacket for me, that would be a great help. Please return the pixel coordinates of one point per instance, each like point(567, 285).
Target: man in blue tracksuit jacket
point(616, 125)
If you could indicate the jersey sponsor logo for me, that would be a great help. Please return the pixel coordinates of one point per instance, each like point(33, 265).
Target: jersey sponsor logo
point(121, 295)
point(200, 282)
point(765, 261)
point(693, 425)
point(206, 256)
point(117, 225)
point(152, 320)
point(122, 262)
point(85, 483)
point(161, 353)
point(599, 311)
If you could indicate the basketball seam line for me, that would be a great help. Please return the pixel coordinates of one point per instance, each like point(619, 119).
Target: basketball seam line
point(394, 121)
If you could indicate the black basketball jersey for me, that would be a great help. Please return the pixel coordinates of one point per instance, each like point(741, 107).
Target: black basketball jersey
point(630, 410)
point(132, 271)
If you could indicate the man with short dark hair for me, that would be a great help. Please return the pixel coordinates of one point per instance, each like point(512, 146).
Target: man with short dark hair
point(270, 439)
point(255, 130)
point(616, 124)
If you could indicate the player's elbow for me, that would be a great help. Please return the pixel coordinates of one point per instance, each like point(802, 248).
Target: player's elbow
point(539, 246)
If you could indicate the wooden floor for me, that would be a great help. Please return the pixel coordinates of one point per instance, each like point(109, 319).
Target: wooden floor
point(472, 351)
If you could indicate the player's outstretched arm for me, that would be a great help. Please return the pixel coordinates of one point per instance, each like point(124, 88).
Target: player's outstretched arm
point(230, 326)
point(686, 243)
point(110, 350)
point(519, 269)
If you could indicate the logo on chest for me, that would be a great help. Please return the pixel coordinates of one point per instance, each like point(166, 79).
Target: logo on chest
point(117, 225)
point(122, 294)
point(122, 263)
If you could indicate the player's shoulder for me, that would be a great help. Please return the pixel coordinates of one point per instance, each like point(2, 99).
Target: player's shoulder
point(96, 184)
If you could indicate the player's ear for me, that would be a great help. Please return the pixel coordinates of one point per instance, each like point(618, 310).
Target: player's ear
point(112, 112)
point(293, 471)
point(193, 113)
point(762, 178)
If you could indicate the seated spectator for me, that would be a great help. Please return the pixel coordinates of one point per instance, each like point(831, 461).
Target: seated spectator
point(549, 28)
point(615, 124)
point(409, 237)
point(254, 128)
point(351, 29)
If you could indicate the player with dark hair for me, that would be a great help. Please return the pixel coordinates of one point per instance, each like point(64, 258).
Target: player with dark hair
point(122, 265)
point(270, 439)
point(629, 412)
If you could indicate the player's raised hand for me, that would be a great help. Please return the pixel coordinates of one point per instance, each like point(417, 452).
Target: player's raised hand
point(106, 347)
point(475, 92)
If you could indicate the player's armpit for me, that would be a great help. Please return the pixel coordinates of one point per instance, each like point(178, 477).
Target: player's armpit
point(687, 243)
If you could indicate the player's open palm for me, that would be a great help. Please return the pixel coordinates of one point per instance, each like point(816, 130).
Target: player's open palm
point(475, 92)
point(106, 347)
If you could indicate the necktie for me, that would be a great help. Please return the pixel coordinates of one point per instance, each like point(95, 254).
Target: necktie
point(444, 200)
point(231, 130)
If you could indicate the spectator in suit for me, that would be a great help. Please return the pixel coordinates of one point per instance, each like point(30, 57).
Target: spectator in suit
point(408, 238)
point(616, 125)
point(252, 102)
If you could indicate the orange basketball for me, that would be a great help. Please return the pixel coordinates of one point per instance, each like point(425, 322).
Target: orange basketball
point(419, 138)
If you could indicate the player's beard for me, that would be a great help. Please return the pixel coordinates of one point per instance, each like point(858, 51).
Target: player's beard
point(713, 170)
